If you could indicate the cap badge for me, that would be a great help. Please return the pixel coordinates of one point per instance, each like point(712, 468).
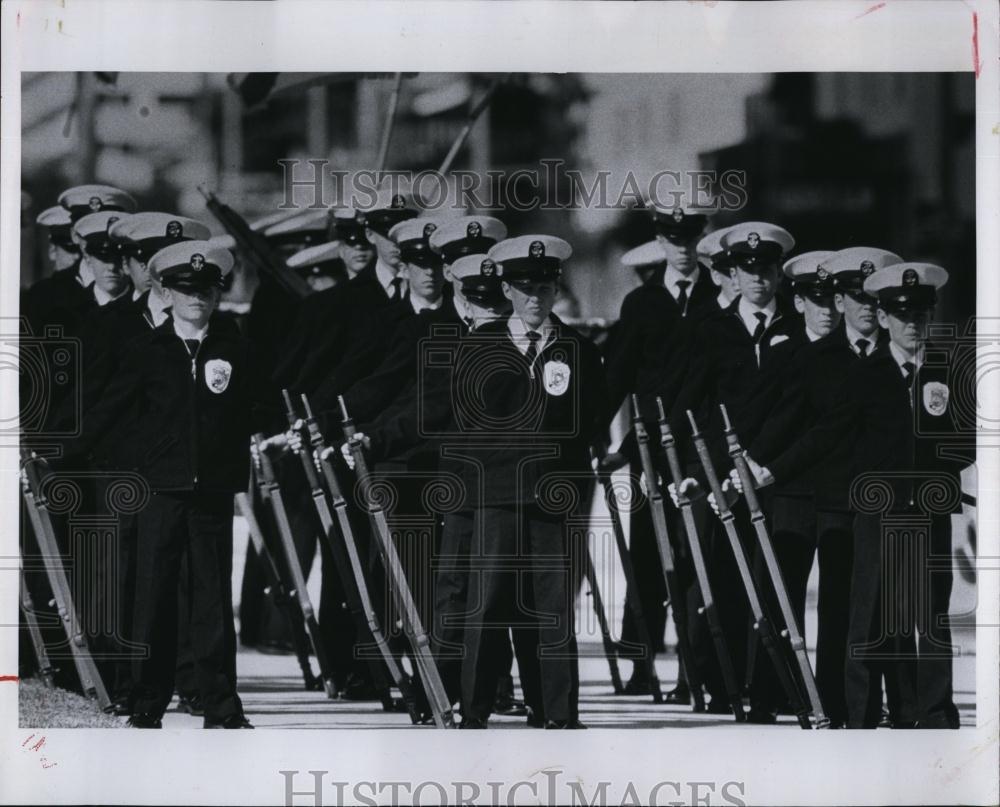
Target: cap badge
point(821, 273)
point(429, 227)
point(536, 249)
point(753, 239)
point(197, 261)
point(867, 267)
point(174, 229)
point(677, 215)
point(95, 203)
point(474, 230)
point(910, 277)
point(111, 220)
point(487, 268)
point(397, 201)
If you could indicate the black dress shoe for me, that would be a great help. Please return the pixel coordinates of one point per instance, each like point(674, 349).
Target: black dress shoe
point(564, 724)
point(472, 723)
point(719, 706)
point(510, 707)
point(144, 721)
point(680, 695)
point(191, 705)
point(274, 647)
point(637, 685)
point(234, 721)
point(358, 690)
point(762, 716)
point(535, 721)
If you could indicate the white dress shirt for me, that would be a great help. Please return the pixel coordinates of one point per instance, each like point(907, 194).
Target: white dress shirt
point(748, 310)
point(671, 277)
point(385, 277)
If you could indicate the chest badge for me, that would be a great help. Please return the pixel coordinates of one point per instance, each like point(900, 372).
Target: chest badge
point(935, 397)
point(556, 377)
point(217, 374)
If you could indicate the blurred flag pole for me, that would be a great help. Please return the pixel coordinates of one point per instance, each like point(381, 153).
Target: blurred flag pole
point(470, 121)
point(390, 123)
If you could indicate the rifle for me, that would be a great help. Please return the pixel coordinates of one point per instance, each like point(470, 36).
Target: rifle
point(255, 246)
point(271, 493)
point(45, 668)
point(791, 630)
point(470, 121)
point(430, 678)
point(761, 623)
point(350, 572)
point(701, 570)
point(632, 601)
point(675, 593)
point(278, 592)
point(62, 598)
point(610, 652)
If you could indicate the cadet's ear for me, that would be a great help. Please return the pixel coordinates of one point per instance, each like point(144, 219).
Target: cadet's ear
point(506, 289)
point(800, 304)
point(883, 319)
point(447, 274)
point(838, 301)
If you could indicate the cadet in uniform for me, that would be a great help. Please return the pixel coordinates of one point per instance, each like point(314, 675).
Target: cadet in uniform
point(191, 387)
point(321, 265)
point(731, 352)
point(712, 255)
point(648, 346)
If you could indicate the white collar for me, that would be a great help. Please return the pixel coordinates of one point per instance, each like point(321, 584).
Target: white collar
point(747, 310)
point(722, 300)
point(385, 277)
point(672, 275)
point(199, 335)
point(811, 335)
point(519, 333)
point(901, 357)
point(84, 273)
point(136, 294)
point(103, 298)
point(854, 335)
point(419, 305)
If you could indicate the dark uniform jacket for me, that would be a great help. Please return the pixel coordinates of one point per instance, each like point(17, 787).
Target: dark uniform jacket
point(516, 425)
point(649, 340)
point(890, 429)
point(325, 328)
point(723, 369)
point(188, 421)
point(810, 387)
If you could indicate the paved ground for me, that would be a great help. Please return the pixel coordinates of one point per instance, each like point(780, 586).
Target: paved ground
point(272, 693)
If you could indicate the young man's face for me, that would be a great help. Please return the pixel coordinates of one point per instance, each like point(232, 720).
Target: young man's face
point(139, 273)
point(356, 258)
point(859, 310)
point(385, 248)
point(820, 313)
point(194, 306)
point(726, 282)
point(682, 256)
point(532, 300)
point(109, 276)
point(61, 258)
point(907, 328)
point(425, 283)
point(758, 286)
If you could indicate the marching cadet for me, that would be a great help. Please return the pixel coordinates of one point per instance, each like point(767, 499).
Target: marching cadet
point(811, 385)
point(731, 351)
point(63, 253)
point(190, 384)
point(648, 346)
point(894, 412)
point(321, 265)
point(793, 516)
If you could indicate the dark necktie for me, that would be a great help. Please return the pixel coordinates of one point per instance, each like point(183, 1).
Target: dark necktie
point(395, 283)
point(682, 295)
point(192, 346)
point(470, 322)
point(862, 346)
point(758, 332)
point(909, 369)
point(532, 351)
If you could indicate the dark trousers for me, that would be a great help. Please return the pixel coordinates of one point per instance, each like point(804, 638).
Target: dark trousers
point(835, 540)
point(527, 580)
point(648, 579)
point(898, 622)
point(200, 524)
point(793, 537)
point(451, 583)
